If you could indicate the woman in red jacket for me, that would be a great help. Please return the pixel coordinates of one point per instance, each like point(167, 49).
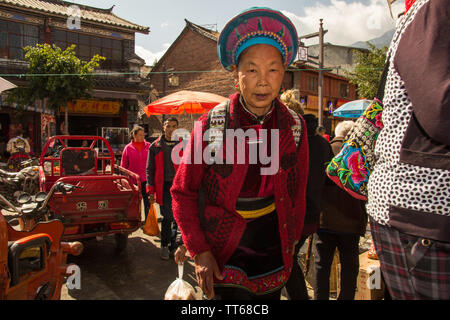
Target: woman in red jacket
point(240, 217)
point(134, 158)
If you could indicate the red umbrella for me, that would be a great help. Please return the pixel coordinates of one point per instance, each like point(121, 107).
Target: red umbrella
point(184, 101)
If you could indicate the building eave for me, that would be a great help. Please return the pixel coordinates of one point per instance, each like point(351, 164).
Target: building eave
point(58, 8)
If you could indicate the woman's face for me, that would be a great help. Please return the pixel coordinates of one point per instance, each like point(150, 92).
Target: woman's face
point(259, 75)
point(139, 136)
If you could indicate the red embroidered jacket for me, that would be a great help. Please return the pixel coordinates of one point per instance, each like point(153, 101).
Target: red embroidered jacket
point(220, 228)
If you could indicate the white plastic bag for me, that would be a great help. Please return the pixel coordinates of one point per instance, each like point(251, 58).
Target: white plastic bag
point(180, 289)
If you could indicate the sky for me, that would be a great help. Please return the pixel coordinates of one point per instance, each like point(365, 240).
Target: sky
point(347, 21)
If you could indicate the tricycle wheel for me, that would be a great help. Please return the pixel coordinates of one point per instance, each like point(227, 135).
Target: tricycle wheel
point(121, 241)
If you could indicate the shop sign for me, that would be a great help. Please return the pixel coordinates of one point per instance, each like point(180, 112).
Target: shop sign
point(93, 107)
point(313, 103)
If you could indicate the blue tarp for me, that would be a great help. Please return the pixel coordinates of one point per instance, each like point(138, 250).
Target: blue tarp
point(353, 109)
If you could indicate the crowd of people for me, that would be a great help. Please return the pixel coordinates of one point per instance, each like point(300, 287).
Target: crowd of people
point(243, 228)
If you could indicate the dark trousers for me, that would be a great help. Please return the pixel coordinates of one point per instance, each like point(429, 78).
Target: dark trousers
point(230, 293)
point(325, 244)
point(145, 198)
point(296, 285)
point(168, 225)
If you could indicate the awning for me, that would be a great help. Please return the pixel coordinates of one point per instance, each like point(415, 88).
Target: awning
point(26, 108)
point(6, 85)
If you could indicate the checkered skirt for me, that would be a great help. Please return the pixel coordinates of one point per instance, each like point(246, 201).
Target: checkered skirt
point(414, 268)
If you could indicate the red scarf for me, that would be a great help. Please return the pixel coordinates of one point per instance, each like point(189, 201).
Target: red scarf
point(408, 4)
point(138, 145)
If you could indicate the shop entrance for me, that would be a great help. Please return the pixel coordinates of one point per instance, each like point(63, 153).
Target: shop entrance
point(4, 133)
point(91, 126)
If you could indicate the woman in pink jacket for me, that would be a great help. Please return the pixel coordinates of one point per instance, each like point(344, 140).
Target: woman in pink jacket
point(134, 158)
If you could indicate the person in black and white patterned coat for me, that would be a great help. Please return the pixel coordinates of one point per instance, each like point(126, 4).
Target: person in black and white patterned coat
point(409, 188)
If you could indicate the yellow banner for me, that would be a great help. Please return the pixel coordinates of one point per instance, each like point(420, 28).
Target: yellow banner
point(313, 103)
point(93, 107)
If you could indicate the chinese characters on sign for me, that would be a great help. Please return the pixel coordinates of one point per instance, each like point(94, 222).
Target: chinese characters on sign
point(93, 107)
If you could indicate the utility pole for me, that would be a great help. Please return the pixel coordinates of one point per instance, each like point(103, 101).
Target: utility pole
point(321, 73)
point(319, 34)
point(164, 88)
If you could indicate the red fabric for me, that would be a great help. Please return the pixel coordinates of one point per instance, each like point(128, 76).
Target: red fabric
point(136, 160)
point(220, 227)
point(138, 145)
point(256, 185)
point(408, 4)
point(158, 185)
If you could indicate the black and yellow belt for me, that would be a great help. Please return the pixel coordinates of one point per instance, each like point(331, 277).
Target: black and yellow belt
point(251, 208)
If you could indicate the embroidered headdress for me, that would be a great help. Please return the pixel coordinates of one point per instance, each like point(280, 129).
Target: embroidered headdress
point(257, 25)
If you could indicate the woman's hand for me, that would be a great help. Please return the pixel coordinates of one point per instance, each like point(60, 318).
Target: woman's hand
point(205, 269)
point(180, 254)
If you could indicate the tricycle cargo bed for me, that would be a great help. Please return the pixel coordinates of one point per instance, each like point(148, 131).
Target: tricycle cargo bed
point(103, 205)
point(108, 198)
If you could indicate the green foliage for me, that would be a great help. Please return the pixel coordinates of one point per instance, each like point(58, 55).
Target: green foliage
point(368, 70)
point(56, 76)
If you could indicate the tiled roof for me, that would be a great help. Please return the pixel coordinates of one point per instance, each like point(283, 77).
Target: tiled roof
point(118, 83)
point(60, 7)
point(213, 35)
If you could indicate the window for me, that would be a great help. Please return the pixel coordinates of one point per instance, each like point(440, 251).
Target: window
point(84, 39)
point(312, 84)
point(14, 36)
point(72, 37)
point(95, 50)
point(117, 55)
point(30, 31)
point(343, 90)
point(87, 46)
point(30, 41)
point(59, 35)
point(84, 51)
point(3, 44)
point(106, 43)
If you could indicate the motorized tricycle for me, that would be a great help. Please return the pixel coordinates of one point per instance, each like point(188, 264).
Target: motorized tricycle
point(33, 261)
point(26, 180)
point(108, 198)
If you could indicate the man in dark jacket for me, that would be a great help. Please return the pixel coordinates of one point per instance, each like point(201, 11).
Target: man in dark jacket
point(342, 222)
point(319, 155)
point(160, 173)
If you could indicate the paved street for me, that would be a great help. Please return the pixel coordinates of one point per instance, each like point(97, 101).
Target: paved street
point(136, 274)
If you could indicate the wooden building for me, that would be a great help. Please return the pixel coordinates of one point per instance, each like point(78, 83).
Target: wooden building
point(94, 31)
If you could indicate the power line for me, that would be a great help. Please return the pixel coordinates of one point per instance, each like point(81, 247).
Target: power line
point(23, 75)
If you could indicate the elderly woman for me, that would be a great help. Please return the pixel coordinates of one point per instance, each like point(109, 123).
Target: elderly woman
point(238, 221)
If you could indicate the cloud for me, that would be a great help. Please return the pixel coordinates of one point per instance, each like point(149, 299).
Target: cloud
point(164, 25)
point(148, 55)
point(346, 23)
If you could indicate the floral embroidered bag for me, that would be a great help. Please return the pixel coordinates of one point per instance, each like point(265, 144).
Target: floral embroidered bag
point(351, 167)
